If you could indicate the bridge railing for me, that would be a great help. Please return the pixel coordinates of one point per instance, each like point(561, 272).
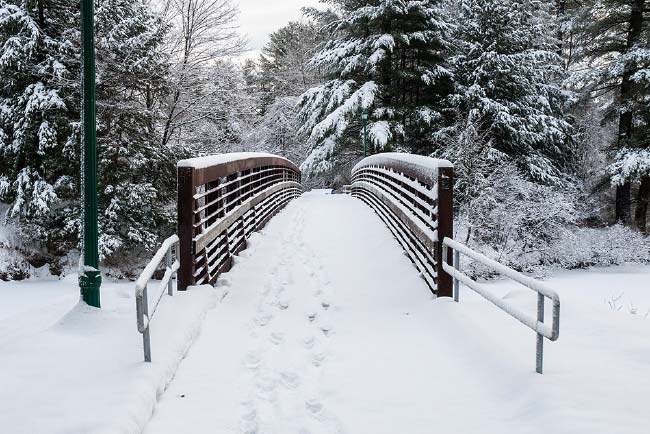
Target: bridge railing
point(413, 195)
point(166, 285)
point(551, 332)
point(222, 199)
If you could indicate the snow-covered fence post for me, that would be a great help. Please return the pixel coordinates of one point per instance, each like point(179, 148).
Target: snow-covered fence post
point(169, 262)
point(413, 195)
point(456, 282)
point(539, 356)
point(222, 199)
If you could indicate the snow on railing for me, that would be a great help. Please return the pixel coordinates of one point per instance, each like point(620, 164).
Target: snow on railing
point(413, 195)
point(141, 293)
point(537, 324)
point(222, 199)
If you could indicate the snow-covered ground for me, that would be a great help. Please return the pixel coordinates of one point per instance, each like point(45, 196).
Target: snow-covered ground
point(325, 327)
point(66, 368)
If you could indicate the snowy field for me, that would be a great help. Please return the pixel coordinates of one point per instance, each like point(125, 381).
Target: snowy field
point(324, 327)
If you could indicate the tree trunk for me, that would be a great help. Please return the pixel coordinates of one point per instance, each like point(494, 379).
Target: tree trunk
point(623, 203)
point(560, 8)
point(641, 213)
point(626, 117)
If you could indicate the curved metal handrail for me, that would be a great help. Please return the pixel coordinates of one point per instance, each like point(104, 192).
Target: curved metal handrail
point(222, 199)
point(143, 316)
point(413, 195)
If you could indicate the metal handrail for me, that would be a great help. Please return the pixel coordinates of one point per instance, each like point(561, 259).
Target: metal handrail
point(542, 330)
point(141, 296)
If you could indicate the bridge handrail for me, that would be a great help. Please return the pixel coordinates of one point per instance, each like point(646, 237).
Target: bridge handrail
point(141, 293)
point(537, 324)
point(222, 199)
point(410, 193)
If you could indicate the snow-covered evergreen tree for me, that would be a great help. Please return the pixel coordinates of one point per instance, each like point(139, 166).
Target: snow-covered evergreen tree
point(38, 144)
point(614, 44)
point(137, 174)
point(39, 123)
point(284, 62)
point(276, 80)
point(386, 57)
point(508, 83)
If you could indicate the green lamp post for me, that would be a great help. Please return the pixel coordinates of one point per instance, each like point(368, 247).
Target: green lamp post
point(89, 278)
point(364, 117)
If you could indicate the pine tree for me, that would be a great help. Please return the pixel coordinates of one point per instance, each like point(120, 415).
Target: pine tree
point(38, 136)
point(137, 173)
point(284, 62)
point(508, 86)
point(386, 57)
point(276, 81)
point(39, 123)
point(615, 44)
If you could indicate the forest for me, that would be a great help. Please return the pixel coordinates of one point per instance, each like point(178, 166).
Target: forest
point(542, 105)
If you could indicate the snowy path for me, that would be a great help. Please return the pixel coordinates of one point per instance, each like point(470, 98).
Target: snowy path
point(326, 328)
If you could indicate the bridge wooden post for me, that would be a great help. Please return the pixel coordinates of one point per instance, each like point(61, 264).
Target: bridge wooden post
point(185, 228)
point(445, 228)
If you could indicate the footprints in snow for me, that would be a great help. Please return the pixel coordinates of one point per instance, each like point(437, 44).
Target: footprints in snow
point(284, 367)
point(276, 338)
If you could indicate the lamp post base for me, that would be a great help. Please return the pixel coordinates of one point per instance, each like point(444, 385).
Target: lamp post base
point(90, 282)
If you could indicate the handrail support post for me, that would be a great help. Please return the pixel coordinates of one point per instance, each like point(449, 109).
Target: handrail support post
point(456, 282)
point(169, 264)
point(540, 338)
point(146, 340)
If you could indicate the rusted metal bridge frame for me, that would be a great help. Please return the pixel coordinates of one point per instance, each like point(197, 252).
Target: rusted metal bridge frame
point(221, 202)
point(413, 196)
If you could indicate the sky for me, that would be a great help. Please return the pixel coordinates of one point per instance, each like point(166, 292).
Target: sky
point(258, 18)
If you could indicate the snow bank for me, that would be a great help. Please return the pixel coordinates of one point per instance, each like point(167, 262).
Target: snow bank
point(71, 369)
point(213, 160)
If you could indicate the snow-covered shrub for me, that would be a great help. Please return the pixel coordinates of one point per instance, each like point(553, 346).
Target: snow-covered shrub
point(515, 220)
point(613, 245)
point(14, 270)
point(12, 265)
point(532, 228)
